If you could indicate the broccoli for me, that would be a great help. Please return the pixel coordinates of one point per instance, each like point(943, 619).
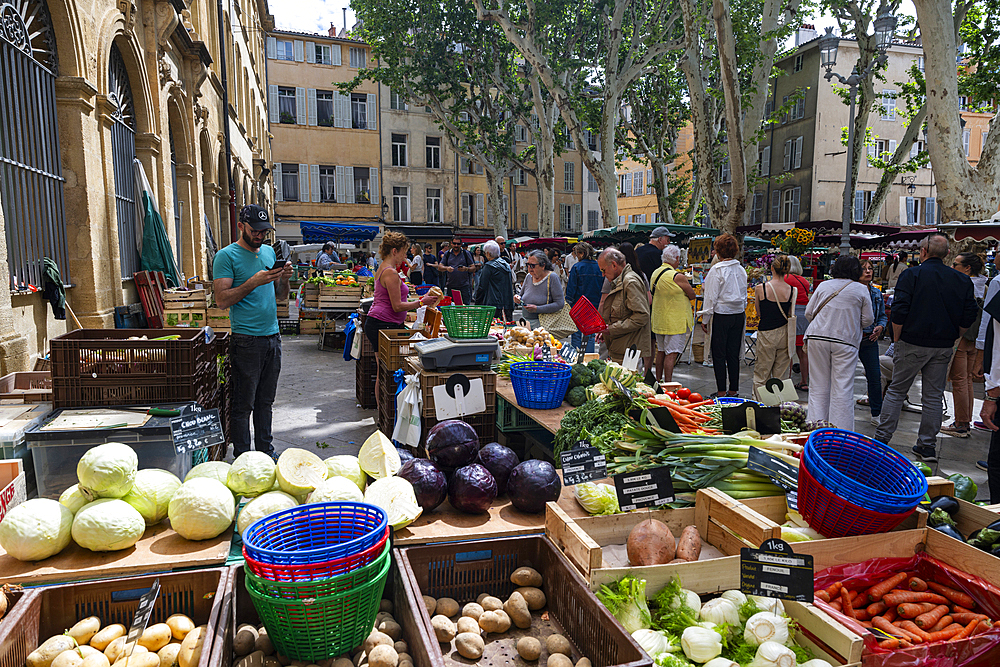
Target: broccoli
point(576, 396)
point(580, 376)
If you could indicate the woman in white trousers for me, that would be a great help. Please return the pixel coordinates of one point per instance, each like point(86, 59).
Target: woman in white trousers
point(837, 312)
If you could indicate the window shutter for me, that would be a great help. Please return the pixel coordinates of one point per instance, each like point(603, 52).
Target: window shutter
point(466, 208)
point(314, 182)
point(801, 108)
point(765, 162)
point(300, 106)
point(871, 152)
point(859, 205)
point(577, 215)
point(299, 56)
point(563, 223)
point(341, 188)
point(338, 115)
point(272, 104)
point(311, 99)
point(798, 152)
point(914, 149)
point(349, 184)
point(310, 52)
point(335, 54)
point(787, 162)
point(649, 181)
point(930, 211)
point(373, 191)
point(372, 119)
point(628, 184)
point(303, 182)
point(796, 195)
point(479, 209)
point(272, 48)
point(775, 206)
point(278, 194)
point(479, 168)
point(784, 116)
point(892, 147)
point(910, 218)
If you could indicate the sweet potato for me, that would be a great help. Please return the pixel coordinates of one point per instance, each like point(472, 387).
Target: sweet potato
point(689, 546)
point(650, 543)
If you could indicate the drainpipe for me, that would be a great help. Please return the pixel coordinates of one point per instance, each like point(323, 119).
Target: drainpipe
point(225, 123)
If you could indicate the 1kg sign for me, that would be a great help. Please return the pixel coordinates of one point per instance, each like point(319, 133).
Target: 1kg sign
point(775, 571)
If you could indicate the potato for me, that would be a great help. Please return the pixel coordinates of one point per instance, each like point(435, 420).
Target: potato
point(558, 660)
point(96, 660)
point(489, 621)
point(430, 604)
point(472, 610)
point(470, 645)
point(115, 649)
point(146, 659)
point(282, 660)
point(689, 545)
point(504, 620)
point(179, 625)
point(359, 659)
point(255, 659)
point(156, 637)
point(245, 640)
point(385, 605)
point(342, 662)
point(377, 638)
point(490, 603)
point(534, 597)
point(481, 597)
point(84, 630)
point(383, 616)
point(584, 662)
point(107, 635)
point(517, 609)
point(558, 644)
point(447, 607)
point(405, 657)
point(529, 648)
point(86, 651)
point(383, 656)
point(70, 658)
point(264, 643)
point(271, 661)
point(467, 624)
point(650, 543)
point(191, 647)
point(392, 629)
point(526, 576)
point(444, 629)
point(168, 655)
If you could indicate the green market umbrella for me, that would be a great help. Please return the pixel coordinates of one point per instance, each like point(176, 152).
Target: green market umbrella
point(153, 244)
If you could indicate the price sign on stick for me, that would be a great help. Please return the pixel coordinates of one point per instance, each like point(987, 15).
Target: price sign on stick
point(145, 609)
point(781, 473)
point(196, 430)
point(645, 488)
point(583, 464)
point(775, 571)
point(569, 353)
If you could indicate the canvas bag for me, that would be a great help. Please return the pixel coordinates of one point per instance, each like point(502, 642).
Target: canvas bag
point(407, 429)
point(559, 323)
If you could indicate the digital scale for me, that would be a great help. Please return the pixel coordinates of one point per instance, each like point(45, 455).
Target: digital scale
point(446, 352)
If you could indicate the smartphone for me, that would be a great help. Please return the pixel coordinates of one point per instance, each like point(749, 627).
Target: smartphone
point(279, 264)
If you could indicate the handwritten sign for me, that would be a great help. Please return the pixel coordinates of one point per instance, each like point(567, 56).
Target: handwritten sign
point(583, 464)
point(775, 571)
point(196, 430)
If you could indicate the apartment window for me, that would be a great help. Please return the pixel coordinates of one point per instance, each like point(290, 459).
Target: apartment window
point(637, 180)
point(888, 105)
point(649, 181)
point(398, 150)
point(285, 50)
point(799, 110)
point(359, 57)
point(881, 146)
point(930, 210)
point(362, 185)
point(289, 182)
point(401, 204)
point(963, 103)
point(433, 204)
point(359, 111)
point(566, 217)
point(764, 161)
point(784, 116)
point(524, 221)
point(628, 185)
point(569, 172)
point(396, 101)
point(622, 192)
point(520, 133)
point(591, 182)
point(920, 63)
point(593, 221)
point(534, 121)
point(966, 135)
point(916, 148)
point(520, 178)
point(433, 150)
point(286, 105)
point(327, 180)
point(758, 209)
point(793, 154)
point(570, 144)
point(725, 174)
point(798, 63)
point(775, 206)
point(862, 202)
point(912, 210)
point(324, 108)
point(591, 139)
point(323, 54)
point(790, 204)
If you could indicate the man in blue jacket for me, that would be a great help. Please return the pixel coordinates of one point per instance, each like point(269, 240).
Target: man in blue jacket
point(933, 305)
point(585, 279)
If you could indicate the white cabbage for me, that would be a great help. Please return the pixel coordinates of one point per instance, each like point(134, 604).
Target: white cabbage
point(394, 495)
point(108, 524)
point(264, 505)
point(74, 498)
point(347, 466)
point(701, 644)
point(766, 627)
point(379, 457)
point(108, 470)
point(597, 498)
point(336, 490)
point(299, 472)
point(36, 529)
point(218, 470)
point(151, 493)
point(202, 509)
point(252, 474)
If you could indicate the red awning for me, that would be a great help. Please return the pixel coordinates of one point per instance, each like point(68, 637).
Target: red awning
point(477, 239)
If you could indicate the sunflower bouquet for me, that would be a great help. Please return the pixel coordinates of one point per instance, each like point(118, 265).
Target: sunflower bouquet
point(795, 241)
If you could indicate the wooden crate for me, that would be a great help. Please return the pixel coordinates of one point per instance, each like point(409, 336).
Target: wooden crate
point(218, 319)
point(188, 318)
point(309, 326)
point(13, 485)
point(196, 298)
point(27, 386)
point(429, 380)
point(970, 517)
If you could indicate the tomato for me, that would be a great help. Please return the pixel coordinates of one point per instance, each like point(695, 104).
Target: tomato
point(695, 398)
point(672, 395)
point(683, 392)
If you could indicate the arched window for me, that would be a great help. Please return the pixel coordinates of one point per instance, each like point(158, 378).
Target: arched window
point(123, 156)
point(31, 182)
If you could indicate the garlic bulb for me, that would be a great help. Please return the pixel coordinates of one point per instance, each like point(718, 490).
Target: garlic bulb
point(719, 611)
point(766, 627)
point(700, 644)
point(773, 654)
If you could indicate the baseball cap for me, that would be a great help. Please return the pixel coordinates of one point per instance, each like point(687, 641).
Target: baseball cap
point(659, 232)
point(256, 217)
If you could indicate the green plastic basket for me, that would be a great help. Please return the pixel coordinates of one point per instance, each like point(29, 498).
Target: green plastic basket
point(319, 588)
point(325, 627)
point(468, 321)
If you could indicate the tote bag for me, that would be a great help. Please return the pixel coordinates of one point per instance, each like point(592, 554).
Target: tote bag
point(559, 323)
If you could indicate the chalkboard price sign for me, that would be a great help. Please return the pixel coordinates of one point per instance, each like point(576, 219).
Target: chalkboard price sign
point(775, 571)
point(645, 488)
point(196, 430)
point(583, 464)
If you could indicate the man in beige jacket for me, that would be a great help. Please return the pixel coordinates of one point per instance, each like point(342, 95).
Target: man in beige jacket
point(625, 308)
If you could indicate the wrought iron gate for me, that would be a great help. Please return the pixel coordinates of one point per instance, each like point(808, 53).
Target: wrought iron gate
point(122, 157)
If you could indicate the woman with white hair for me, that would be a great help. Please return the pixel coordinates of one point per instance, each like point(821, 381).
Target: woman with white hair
point(496, 283)
point(672, 315)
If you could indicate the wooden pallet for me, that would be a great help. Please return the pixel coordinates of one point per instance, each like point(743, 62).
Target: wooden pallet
point(151, 285)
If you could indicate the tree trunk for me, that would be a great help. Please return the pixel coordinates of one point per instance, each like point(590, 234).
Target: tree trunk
point(728, 66)
point(494, 199)
point(662, 191)
point(694, 206)
point(889, 176)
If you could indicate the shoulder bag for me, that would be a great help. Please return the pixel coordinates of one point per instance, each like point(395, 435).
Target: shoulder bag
point(805, 343)
point(559, 323)
point(790, 318)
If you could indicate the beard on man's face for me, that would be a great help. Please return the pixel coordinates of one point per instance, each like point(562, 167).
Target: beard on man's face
point(251, 241)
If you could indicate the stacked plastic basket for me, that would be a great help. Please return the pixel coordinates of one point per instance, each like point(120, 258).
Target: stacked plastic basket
point(852, 485)
point(315, 574)
point(540, 385)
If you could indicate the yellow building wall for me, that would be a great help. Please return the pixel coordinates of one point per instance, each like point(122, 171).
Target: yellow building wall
point(631, 206)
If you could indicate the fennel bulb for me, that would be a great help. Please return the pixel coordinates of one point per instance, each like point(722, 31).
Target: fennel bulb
point(689, 598)
point(626, 600)
point(773, 654)
point(719, 611)
point(772, 605)
point(701, 644)
point(766, 627)
point(654, 642)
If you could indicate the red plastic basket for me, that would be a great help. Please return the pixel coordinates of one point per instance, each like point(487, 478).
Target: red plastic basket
point(315, 571)
point(586, 317)
point(833, 516)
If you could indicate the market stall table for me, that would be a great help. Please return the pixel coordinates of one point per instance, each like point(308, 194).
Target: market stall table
point(328, 318)
point(547, 419)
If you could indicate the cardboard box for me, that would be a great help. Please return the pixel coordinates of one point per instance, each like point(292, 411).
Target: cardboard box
point(13, 483)
point(184, 318)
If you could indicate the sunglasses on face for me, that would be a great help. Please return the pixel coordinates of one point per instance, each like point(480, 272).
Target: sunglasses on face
point(531, 265)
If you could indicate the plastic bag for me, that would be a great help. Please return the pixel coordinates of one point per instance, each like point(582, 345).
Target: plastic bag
point(981, 650)
point(352, 341)
point(408, 401)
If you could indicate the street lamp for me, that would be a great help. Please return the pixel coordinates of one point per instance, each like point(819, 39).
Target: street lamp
point(885, 28)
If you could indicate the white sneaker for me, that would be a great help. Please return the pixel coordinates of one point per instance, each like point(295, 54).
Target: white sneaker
point(911, 407)
point(875, 421)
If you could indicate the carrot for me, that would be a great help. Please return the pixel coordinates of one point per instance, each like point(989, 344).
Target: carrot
point(946, 634)
point(984, 626)
point(889, 643)
point(958, 597)
point(945, 621)
point(862, 614)
point(876, 608)
point(698, 405)
point(887, 627)
point(959, 609)
point(913, 609)
point(890, 614)
point(876, 592)
point(899, 597)
point(866, 624)
point(836, 604)
point(912, 636)
point(833, 590)
point(845, 603)
point(913, 628)
point(930, 618)
point(822, 595)
point(966, 631)
point(917, 584)
point(968, 617)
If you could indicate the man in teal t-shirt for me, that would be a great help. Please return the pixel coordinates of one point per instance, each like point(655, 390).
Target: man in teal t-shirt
point(248, 281)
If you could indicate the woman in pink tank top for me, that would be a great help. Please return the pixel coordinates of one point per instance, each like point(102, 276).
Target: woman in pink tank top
point(389, 309)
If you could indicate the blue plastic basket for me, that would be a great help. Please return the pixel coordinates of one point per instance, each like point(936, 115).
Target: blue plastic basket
point(730, 401)
point(539, 385)
point(315, 533)
point(863, 471)
point(423, 289)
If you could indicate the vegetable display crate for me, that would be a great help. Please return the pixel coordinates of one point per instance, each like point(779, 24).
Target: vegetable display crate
point(340, 296)
point(464, 570)
point(512, 420)
point(969, 517)
point(288, 327)
point(179, 300)
point(188, 318)
point(12, 436)
point(29, 387)
point(365, 370)
point(56, 453)
point(48, 611)
point(484, 424)
point(430, 379)
point(394, 346)
point(218, 319)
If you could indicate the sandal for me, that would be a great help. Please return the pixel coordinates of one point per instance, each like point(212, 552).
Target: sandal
point(862, 401)
point(802, 386)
